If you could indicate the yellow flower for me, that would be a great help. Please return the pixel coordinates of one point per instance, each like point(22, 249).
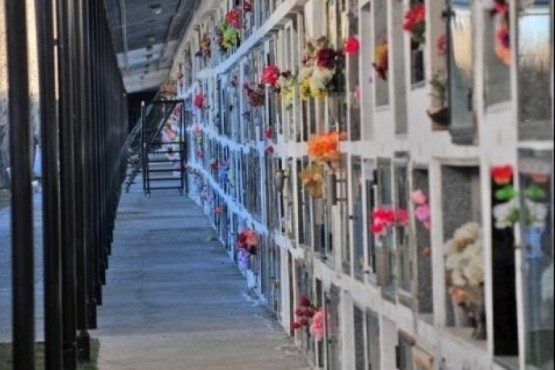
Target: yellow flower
point(312, 179)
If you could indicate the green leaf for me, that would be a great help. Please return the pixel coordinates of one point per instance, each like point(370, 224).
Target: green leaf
point(535, 192)
point(505, 193)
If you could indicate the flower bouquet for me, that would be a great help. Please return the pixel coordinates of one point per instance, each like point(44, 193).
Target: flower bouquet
point(233, 18)
point(226, 36)
point(309, 316)
point(255, 95)
point(381, 62)
point(324, 148)
point(248, 240)
point(422, 211)
point(415, 23)
point(319, 67)
point(312, 179)
point(465, 273)
point(383, 219)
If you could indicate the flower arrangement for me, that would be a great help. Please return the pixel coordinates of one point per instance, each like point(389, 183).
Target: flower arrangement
point(351, 45)
point(226, 36)
point(383, 219)
point(319, 67)
point(381, 62)
point(499, 12)
point(415, 22)
point(270, 75)
point(198, 101)
point(312, 179)
point(248, 240)
point(464, 269)
point(233, 18)
point(422, 211)
point(255, 95)
point(324, 148)
point(311, 317)
point(287, 83)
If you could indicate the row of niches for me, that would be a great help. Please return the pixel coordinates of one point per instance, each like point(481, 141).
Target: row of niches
point(354, 63)
point(382, 212)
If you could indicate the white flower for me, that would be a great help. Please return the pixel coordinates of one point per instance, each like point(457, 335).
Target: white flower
point(449, 248)
point(503, 211)
point(457, 278)
point(305, 73)
point(537, 213)
point(469, 231)
point(474, 272)
point(474, 249)
point(320, 78)
point(454, 261)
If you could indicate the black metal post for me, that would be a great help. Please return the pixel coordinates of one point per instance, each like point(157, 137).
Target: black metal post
point(67, 168)
point(51, 189)
point(23, 300)
point(83, 338)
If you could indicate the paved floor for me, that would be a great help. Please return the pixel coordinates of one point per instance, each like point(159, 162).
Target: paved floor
point(174, 300)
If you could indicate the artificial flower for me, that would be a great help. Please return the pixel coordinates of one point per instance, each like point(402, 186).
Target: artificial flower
point(402, 217)
point(304, 301)
point(199, 101)
point(324, 147)
point(502, 175)
point(256, 96)
point(270, 75)
point(268, 133)
point(422, 212)
point(312, 179)
point(351, 45)
point(415, 22)
point(317, 325)
point(502, 43)
point(233, 18)
point(381, 63)
point(270, 149)
point(418, 197)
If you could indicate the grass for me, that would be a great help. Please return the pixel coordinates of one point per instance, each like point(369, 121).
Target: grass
point(6, 356)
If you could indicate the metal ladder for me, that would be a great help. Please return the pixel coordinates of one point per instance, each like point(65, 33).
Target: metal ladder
point(163, 163)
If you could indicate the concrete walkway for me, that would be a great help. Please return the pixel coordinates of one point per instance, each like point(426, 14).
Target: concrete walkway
point(174, 300)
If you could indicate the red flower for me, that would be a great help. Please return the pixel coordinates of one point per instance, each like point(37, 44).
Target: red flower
point(299, 312)
point(233, 18)
point(386, 216)
point(326, 58)
point(303, 322)
point(308, 312)
point(377, 228)
point(270, 149)
point(270, 75)
point(199, 101)
point(295, 325)
point(268, 133)
point(351, 45)
point(502, 175)
point(305, 302)
point(402, 216)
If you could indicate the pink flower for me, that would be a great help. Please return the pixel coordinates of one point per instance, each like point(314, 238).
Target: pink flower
point(422, 212)
point(317, 325)
point(418, 197)
point(427, 224)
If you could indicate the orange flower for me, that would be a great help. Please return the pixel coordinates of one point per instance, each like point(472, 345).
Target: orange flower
point(325, 147)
